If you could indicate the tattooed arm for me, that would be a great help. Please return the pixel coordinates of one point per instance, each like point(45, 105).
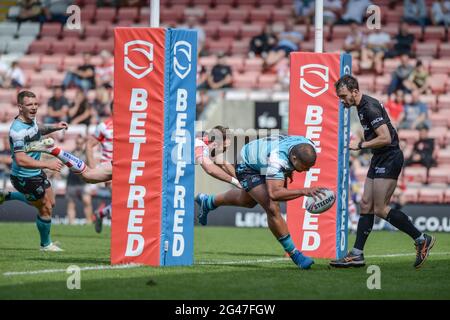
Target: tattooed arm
point(49, 128)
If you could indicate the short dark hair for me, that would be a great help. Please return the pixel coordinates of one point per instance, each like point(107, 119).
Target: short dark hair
point(306, 153)
point(348, 81)
point(22, 94)
point(212, 133)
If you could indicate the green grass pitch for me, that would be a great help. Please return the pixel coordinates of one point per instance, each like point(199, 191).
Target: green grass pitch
point(230, 263)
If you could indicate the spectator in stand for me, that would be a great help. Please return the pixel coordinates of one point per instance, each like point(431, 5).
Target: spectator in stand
point(104, 73)
point(355, 11)
point(55, 10)
point(261, 44)
point(83, 76)
point(418, 80)
point(288, 41)
point(30, 10)
point(283, 74)
point(76, 187)
point(403, 42)
point(101, 104)
point(304, 10)
point(15, 77)
point(57, 107)
point(440, 13)
point(415, 12)
point(425, 150)
point(5, 158)
point(354, 41)
point(332, 10)
point(220, 76)
point(373, 52)
point(401, 74)
point(192, 23)
point(415, 113)
point(3, 70)
point(394, 106)
point(80, 111)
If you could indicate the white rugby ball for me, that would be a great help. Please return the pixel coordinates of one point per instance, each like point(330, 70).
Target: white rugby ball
point(322, 204)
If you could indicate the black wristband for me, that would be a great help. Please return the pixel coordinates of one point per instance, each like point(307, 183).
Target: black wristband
point(360, 145)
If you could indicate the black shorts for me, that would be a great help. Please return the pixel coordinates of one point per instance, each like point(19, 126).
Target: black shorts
point(387, 165)
point(248, 177)
point(32, 187)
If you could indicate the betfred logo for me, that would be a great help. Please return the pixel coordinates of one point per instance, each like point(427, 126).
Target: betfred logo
point(314, 79)
point(139, 65)
point(182, 56)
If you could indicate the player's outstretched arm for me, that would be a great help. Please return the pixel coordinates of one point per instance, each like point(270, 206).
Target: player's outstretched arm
point(27, 162)
point(215, 171)
point(45, 129)
point(277, 191)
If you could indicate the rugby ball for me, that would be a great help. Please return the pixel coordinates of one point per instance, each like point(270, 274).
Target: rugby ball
point(322, 204)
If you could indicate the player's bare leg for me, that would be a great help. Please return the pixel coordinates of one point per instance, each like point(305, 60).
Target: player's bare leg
point(278, 225)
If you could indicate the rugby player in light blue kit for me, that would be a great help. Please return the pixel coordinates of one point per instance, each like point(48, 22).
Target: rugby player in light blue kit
point(262, 173)
point(27, 175)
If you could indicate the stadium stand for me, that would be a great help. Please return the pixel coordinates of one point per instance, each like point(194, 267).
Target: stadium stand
point(46, 51)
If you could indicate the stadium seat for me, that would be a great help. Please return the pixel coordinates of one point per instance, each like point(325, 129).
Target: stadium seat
point(366, 82)
point(410, 136)
point(431, 195)
point(444, 50)
point(71, 62)
point(281, 15)
point(444, 101)
point(447, 196)
point(95, 30)
point(106, 14)
point(440, 66)
point(439, 175)
point(390, 65)
point(105, 45)
point(382, 82)
point(230, 30)
point(130, 14)
point(251, 30)
point(219, 46)
point(439, 134)
point(415, 174)
point(430, 100)
point(438, 119)
point(238, 15)
point(85, 46)
point(88, 14)
point(51, 30)
point(171, 14)
point(71, 35)
point(52, 62)
point(260, 15)
point(38, 79)
point(19, 45)
point(438, 83)
point(254, 64)
point(245, 80)
point(334, 46)
point(411, 195)
point(240, 47)
point(236, 63)
point(434, 33)
point(443, 157)
point(29, 29)
point(340, 31)
point(65, 47)
point(30, 62)
point(216, 15)
point(426, 49)
point(267, 81)
point(207, 61)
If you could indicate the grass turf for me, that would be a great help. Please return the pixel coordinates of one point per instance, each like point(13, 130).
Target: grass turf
point(229, 265)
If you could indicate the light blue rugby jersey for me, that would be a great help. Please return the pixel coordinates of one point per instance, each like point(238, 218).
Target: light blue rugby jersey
point(270, 155)
point(20, 134)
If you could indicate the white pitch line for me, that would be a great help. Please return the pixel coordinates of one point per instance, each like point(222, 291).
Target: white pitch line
point(206, 262)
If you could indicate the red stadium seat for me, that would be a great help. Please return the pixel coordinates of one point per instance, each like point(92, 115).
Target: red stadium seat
point(130, 14)
point(96, 30)
point(211, 30)
point(51, 30)
point(39, 47)
point(434, 33)
point(85, 46)
point(411, 195)
point(105, 45)
point(366, 82)
point(216, 15)
point(444, 102)
point(426, 49)
point(410, 136)
point(382, 82)
point(340, 31)
point(88, 14)
point(251, 30)
point(281, 15)
point(438, 119)
point(438, 83)
point(390, 65)
point(260, 15)
point(430, 100)
point(53, 62)
point(431, 195)
point(208, 61)
point(443, 157)
point(415, 174)
point(438, 133)
point(71, 35)
point(393, 16)
point(222, 45)
point(37, 79)
point(245, 80)
point(236, 63)
point(254, 64)
point(447, 196)
point(65, 47)
point(30, 62)
point(440, 66)
point(267, 81)
point(444, 50)
point(438, 175)
point(230, 30)
point(238, 15)
point(72, 62)
point(240, 47)
point(106, 14)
